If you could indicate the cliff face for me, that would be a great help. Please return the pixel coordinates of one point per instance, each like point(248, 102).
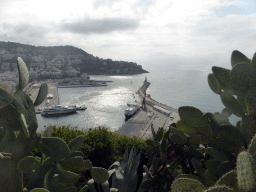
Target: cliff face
point(62, 58)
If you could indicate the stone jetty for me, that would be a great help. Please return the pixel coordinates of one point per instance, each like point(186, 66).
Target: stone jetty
point(155, 114)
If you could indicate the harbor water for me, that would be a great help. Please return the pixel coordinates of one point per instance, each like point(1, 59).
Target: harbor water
point(171, 85)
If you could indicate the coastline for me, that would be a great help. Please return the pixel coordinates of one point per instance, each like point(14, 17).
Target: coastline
point(154, 115)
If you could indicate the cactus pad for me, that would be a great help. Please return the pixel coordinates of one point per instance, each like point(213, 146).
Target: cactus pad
point(189, 130)
point(42, 94)
point(237, 136)
point(229, 179)
point(5, 98)
point(241, 100)
point(9, 176)
point(232, 104)
point(23, 73)
point(222, 188)
point(210, 175)
point(176, 139)
point(25, 105)
point(226, 113)
point(192, 116)
point(84, 189)
point(252, 147)
point(214, 84)
point(159, 134)
point(76, 143)
point(186, 184)
point(248, 126)
point(222, 144)
point(243, 74)
point(250, 99)
point(198, 139)
point(238, 57)
point(66, 177)
point(54, 147)
point(27, 164)
point(179, 133)
point(245, 171)
point(8, 141)
point(24, 125)
point(206, 131)
point(39, 190)
point(76, 153)
point(223, 76)
point(212, 166)
point(75, 164)
point(100, 175)
point(10, 118)
point(198, 167)
point(225, 167)
point(219, 155)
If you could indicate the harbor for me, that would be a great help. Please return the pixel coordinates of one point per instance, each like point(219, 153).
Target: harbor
point(154, 114)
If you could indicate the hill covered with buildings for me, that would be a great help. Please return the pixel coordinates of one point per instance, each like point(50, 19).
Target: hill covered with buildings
point(60, 61)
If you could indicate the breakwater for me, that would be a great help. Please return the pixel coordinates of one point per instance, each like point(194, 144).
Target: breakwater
point(154, 115)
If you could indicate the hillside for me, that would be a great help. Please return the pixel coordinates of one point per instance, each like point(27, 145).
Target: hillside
point(59, 58)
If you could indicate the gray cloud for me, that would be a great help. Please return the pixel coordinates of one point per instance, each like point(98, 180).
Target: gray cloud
point(23, 33)
point(100, 26)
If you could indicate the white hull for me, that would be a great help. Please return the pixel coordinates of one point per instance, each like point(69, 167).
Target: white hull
point(58, 110)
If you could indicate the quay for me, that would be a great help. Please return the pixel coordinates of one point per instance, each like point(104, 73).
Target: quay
point(154, 114)
point(32, 90)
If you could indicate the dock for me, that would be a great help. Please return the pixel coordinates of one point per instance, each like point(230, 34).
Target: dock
point(154, 114)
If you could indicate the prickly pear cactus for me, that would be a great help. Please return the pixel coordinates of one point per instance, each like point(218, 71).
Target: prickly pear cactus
point(187, 184)
point(221, 188)
point(124, 176)
point(246, 171)
point(59, 170)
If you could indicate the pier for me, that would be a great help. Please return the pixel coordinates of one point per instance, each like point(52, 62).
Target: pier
point(154, 114)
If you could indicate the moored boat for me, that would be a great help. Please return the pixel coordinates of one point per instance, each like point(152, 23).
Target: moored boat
point(131, 110)
point(58, 110)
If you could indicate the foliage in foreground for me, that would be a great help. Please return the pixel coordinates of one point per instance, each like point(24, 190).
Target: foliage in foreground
point(176, 162)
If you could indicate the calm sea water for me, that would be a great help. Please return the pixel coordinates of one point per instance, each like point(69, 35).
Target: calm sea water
point(175, 86)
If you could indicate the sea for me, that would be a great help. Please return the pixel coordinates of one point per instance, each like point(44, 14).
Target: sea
point(173, 85)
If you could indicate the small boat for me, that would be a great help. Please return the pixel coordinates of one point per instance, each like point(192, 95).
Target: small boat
point(82, 107)
point(58, 110)
point(49, 96)
point(130, 111)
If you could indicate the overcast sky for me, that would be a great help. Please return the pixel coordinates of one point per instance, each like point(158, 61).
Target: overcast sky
point(141, 31)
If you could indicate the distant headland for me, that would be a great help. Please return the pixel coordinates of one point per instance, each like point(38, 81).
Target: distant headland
point(57, 62)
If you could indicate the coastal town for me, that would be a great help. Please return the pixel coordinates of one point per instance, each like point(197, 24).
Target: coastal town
point(66, 64)
point(67, 67)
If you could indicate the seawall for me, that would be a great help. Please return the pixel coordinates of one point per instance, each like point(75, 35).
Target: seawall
point(155, 115)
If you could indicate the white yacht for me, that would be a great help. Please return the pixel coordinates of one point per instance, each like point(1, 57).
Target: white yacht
point(131, 110)
point(58, 110)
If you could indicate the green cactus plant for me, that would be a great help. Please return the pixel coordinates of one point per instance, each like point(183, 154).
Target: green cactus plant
point(187, 184)
point(222, 188)
point(124, 176)
point(17, 113)
point(246, 171)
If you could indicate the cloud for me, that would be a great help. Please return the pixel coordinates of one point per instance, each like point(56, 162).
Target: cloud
point(24, 32)
point(100, 26)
